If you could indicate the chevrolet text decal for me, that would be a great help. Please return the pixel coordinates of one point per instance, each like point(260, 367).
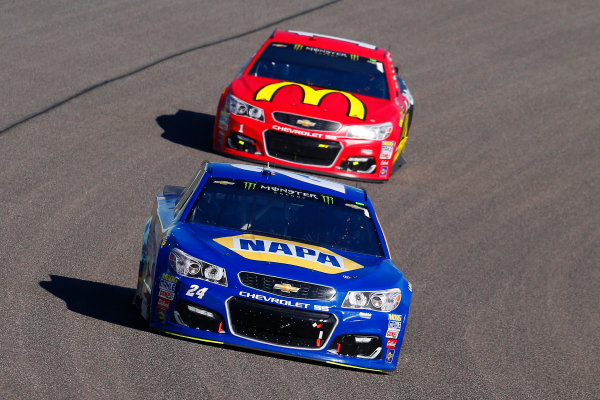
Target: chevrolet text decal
point(261, 248)
point(356, 108)
point(276, 300)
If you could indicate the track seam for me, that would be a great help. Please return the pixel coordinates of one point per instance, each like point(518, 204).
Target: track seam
point(162, 60)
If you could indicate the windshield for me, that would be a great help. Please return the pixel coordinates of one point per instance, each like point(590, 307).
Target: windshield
point(287, 213)
point(323, 68)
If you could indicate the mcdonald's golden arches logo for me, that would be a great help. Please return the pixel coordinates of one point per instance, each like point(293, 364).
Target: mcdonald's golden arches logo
point(356, 108)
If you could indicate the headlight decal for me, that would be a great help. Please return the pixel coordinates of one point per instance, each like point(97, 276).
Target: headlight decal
point(239, 107)
point(192, 267)
point(379, 300)
point(373, 132)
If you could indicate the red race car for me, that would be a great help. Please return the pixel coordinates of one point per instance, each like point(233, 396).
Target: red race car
point(316, 102)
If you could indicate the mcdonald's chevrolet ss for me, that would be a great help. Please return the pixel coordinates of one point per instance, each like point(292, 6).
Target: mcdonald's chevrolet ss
point(309, 101)
point(273, 260)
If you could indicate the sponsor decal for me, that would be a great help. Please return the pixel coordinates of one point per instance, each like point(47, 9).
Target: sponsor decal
point(249, 185)
point(356, 108)
point(395, 317)
point(385, 162)
point(262, 248)
point(366, 152)
point(394, 325)
point(387, 149)
point(286, 288)
point(296, 131)
point(166, 285)
point(165, 294)
point(327, 199)
point(169, 278)
point(224, 120)
point(163, 303)
point(284, 191)
point(275, 300)
point(391, 344)
point(410, 286)
point(162, 316)
point(383, 171)
point(306, 123)
point(389, 356)
point(329, 53)
point(392, 333)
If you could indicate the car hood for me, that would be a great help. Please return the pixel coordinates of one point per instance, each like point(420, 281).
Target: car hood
point(238, 251)
point(347, 108)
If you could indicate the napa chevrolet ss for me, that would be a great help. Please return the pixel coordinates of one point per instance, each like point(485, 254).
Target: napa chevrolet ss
point(273, 260)
point(317, 102)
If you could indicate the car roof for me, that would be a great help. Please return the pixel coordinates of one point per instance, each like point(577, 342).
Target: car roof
point(329, 43)
point(296, 180)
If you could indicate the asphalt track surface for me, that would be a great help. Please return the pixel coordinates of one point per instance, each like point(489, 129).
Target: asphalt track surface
point(495, 219)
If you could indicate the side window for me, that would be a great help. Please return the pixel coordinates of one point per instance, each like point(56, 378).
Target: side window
point(241, 71)
point(190, 189)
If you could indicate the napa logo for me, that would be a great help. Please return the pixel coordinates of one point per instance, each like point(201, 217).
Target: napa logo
point(356, 108)
point(262, 248)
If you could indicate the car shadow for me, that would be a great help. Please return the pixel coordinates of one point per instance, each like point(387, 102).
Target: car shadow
point(98, 300)
point(188, 128)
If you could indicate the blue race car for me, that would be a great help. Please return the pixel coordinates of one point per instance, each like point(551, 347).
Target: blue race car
point(277, 261)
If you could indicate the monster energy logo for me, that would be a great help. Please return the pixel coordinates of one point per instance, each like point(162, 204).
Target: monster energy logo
point(298, 47)
point(249, 185)
point(327, 199)
point(353, 57)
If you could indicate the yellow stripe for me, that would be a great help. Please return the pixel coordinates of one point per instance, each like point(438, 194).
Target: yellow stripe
point(400, 148)
point(193, 338)
point(352, 366)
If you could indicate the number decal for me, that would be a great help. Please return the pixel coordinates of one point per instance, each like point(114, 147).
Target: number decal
point(200, 293)
point(193, 290)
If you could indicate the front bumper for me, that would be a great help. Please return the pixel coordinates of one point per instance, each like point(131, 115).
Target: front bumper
point(291, 147)
point(244, 317)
